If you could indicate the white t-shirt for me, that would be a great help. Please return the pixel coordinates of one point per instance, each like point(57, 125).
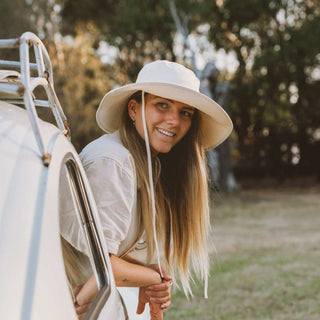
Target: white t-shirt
point(111, 172)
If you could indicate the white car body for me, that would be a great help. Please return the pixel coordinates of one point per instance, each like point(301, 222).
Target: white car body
point(33, 280)
point(33, 154)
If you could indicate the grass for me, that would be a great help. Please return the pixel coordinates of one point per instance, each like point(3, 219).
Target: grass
point(268, 261)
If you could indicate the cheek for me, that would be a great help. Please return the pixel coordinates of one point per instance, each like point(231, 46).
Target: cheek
point(152, 114)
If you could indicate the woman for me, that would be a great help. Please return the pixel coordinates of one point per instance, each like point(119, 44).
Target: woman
point(149, 176)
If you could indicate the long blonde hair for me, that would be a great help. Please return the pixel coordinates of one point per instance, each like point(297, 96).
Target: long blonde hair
point(181, 194)
point(76, 263)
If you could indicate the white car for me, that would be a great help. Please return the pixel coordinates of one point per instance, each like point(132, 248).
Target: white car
point(39, 165)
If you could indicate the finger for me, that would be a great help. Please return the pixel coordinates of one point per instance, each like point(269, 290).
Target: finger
point(166, 275)
point(165, 305)
point(140, 307)
point(159, 294)
point(160, 300)
point(159, 287)
point(81, 316)
point(82, 309)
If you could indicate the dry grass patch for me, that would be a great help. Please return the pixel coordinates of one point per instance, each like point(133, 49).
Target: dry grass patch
point(268, 247)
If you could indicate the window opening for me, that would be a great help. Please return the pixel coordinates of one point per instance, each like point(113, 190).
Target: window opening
point(81, 247)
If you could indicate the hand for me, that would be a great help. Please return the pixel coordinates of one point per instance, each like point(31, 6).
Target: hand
point(160, 293)
point(156, 313)
point(157, 294)
point(143, 299)
point(166, 275)
point(81, 310)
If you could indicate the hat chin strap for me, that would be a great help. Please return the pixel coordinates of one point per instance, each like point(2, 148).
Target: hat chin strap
point(146, 138)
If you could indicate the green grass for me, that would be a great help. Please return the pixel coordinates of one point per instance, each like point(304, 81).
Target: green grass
point(268, 261)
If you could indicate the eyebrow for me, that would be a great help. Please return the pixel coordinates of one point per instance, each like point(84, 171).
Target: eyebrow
point(158, 97)
point(172, 101)
point(189, 108)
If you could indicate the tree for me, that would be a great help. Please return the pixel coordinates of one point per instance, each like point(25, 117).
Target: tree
point(275, 110)
point(141, 30)
point(80, 79)
point(14, 18)
point(275, 106)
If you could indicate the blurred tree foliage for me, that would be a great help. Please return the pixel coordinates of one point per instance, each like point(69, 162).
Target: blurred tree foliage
point(12, 21)
point(80, 77)
point(276, 110)
point(81, 82)
point(275, 103)
point(275, 107)
point(141, 30)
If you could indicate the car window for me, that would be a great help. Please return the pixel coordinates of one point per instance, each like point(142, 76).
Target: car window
point(81, 247)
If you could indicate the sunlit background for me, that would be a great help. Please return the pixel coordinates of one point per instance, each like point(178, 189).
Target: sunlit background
point(260, 59)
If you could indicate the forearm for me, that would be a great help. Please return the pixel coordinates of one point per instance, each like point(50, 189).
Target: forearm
point(130, 274)
point(88, 291)
point(129, 258)
point(127, 273)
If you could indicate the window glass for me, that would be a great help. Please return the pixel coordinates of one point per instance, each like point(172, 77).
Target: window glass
point(81, 247)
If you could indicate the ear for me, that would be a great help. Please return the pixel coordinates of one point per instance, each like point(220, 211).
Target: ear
point(132, 109)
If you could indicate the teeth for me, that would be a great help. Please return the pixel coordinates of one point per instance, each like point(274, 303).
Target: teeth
point(167, 133)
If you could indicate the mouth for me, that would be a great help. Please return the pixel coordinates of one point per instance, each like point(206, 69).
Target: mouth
point(165, 132)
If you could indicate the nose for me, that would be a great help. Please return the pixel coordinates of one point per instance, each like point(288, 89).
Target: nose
point(173, 118)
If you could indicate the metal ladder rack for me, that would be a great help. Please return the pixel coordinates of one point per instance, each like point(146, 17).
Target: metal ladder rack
point(18, 88)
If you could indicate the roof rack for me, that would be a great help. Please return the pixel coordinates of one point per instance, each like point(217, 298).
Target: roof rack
point(18, 88)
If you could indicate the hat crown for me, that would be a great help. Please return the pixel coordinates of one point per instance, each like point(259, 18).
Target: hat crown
point(163, 71)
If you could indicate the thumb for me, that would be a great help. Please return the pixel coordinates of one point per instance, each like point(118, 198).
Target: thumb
point(166, 276)
point(140, 308)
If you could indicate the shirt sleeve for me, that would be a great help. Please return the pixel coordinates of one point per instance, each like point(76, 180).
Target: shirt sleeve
point(70, 225)
point(114, 189)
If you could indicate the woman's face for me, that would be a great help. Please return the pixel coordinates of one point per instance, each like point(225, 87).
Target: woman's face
point(167, 120)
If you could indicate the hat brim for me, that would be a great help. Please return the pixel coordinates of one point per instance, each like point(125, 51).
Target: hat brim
point(215, 124)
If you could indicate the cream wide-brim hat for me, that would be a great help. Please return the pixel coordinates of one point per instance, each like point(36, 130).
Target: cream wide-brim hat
point(169, 80)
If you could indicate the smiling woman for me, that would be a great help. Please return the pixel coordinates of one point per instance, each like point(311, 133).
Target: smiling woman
point(148, 176)
point(167, 120)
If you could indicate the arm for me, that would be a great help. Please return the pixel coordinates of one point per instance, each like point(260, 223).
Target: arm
point(140, 275)
point(130, 274)
point(152, 288)
point(126, 274)
point(128, 257)
point(156, 293)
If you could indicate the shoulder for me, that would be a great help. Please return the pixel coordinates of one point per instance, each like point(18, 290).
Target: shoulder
point(108, 147)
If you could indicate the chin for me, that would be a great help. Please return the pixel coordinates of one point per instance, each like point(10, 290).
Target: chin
point(163, 149)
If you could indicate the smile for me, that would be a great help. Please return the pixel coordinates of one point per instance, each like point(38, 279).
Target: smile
point(167, 133)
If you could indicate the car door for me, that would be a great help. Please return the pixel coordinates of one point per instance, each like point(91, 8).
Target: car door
point(90, 255)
